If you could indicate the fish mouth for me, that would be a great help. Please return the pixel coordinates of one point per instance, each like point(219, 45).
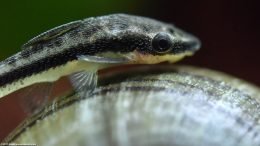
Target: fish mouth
point(185, 42)
point(192, 44)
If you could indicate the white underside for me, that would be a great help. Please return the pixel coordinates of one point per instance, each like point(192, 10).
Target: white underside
point(51, 75)
point(54, 74)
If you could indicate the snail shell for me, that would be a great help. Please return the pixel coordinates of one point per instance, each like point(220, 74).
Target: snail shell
point(180, 106)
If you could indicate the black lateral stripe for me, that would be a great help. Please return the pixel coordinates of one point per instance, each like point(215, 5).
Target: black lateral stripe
point(36, 67)
point(125, 44)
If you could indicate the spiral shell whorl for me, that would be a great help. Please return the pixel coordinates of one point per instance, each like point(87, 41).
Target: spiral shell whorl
point(177, 108)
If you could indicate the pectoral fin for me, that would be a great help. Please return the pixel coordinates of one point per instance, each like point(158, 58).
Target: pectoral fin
point(84, 82)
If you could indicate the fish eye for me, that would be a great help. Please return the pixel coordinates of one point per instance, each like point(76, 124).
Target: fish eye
point(162, 43)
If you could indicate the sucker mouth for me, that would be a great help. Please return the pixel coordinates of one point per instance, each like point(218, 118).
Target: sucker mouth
point(192, 45)
point(186, 42)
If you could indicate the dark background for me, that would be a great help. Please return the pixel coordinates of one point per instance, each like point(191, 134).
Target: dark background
point(229, 31)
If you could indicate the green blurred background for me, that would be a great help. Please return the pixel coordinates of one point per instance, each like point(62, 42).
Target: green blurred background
point(21, 20)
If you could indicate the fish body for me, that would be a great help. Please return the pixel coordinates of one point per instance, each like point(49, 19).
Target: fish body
point(88, 45)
